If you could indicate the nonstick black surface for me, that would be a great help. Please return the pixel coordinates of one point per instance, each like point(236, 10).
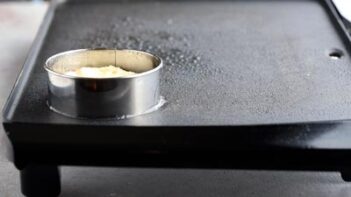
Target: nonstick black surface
point(225, 62)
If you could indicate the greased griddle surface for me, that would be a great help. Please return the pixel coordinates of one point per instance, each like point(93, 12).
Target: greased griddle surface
point(225, 63)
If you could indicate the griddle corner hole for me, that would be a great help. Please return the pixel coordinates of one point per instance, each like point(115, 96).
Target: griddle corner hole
point(335, 54)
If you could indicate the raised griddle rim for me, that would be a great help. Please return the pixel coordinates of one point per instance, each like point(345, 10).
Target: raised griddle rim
point(15, 130)
point(28, 65)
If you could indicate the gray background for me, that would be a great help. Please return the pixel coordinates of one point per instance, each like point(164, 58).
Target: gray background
point(19, 22)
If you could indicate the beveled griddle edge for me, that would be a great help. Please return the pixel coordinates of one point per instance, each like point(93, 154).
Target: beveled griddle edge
point(28, 65)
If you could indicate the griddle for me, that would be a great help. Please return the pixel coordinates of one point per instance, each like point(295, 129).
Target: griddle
point(248, 84)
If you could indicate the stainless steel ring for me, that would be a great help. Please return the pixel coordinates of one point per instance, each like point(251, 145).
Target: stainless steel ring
point(104, 97)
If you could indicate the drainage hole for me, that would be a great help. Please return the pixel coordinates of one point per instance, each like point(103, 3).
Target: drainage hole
point(336, 54)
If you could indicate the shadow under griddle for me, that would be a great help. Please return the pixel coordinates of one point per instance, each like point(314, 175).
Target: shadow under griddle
point(96, 182)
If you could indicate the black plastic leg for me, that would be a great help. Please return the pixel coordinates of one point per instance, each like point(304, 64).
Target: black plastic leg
point(346, 176)
point(40, 181)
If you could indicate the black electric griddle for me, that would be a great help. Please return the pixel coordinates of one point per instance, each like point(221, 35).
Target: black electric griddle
point(249, 84)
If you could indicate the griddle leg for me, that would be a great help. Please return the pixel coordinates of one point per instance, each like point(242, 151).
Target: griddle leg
point(40, 181)
point(346, 176)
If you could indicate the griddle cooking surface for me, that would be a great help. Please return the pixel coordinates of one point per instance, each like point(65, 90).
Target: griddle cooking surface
point(226, 63)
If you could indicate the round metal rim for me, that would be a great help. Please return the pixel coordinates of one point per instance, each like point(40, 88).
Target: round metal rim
point(46, 67)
